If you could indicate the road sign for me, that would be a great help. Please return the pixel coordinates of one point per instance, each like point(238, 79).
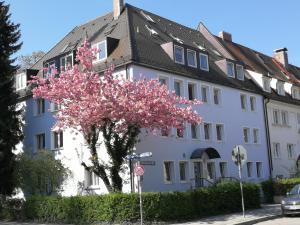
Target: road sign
point(139, 170)
point(148, 163)
point(239, 155)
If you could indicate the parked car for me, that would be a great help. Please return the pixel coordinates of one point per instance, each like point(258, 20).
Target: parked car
point(291, 204)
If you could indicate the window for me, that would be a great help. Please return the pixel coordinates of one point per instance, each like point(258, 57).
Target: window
point(92, 179)
point(40, 141)
point(191, 89)
point(165, 132)
point(49, 69)
point(179, 54)
point(255, 136)
point(207, 131)
point(54, 107)
point(298, 118)
point(58, 140)
point(177, 88)
point(40, 106)
point(240, 74)
point(252, 103)
point(243, 101)
point(179, 133)
point(21, 81)
point(204, 94)
point(259, 169)
point(246, 132)
point(295, 93)
point(290, 151)
point(230, 69)
point(276, 150)
point(249, 169)
point(211, 170)
point(194, 129)
point(223, 169)
point(183, 171)
point(280, 88)
point(285, 118)
point(266, 85)
point(217, 96)
point(66, 62)
point(204, 62)
point(275, 116)
point(162, 81)
point(220, 132)
point(191, 58)
point(168, 171)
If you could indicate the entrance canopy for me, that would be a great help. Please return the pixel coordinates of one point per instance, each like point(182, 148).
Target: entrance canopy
point(211, 152)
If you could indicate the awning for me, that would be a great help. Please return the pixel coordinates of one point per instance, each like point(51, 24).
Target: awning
point(211, 152)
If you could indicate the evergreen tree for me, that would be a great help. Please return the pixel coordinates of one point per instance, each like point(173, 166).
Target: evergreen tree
point(10, 123)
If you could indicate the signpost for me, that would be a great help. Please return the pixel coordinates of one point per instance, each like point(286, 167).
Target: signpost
point(239, 156)
point(139, 171)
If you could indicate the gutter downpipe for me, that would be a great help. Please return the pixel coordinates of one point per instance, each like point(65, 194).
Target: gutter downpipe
point(266, 101)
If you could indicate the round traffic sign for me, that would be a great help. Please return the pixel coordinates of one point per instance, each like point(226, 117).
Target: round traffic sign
point(239, 155)
point(139, 170)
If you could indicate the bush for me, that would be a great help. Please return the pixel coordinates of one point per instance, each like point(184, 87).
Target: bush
point(167, 206)
point(268, 190)
point(11, 209)
point(278, 187)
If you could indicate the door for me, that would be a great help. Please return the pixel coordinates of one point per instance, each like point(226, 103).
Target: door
point(198, 171)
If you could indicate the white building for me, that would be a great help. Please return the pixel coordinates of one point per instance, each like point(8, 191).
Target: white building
point(138, 42)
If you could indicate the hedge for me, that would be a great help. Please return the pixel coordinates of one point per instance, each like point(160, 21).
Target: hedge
point(165, 206)
point(278, 187)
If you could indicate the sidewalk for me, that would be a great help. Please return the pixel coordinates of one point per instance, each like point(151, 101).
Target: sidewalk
point(252, 216)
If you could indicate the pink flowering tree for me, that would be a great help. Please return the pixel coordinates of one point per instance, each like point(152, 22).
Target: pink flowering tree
point(113, 107)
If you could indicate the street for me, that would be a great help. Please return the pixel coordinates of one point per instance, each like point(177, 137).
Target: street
point(290, 220)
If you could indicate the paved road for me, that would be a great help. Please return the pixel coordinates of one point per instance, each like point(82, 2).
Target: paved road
point(291, 220)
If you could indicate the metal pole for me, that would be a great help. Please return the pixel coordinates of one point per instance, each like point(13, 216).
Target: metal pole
point(241, 184)
point(140, 193)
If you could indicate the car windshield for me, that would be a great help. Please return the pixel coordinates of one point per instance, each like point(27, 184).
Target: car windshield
point(295, 190)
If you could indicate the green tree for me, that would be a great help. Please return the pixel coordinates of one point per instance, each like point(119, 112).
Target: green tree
point(40, 174)
point(10, 123)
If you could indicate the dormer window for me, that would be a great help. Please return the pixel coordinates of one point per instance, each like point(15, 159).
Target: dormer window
point(49, 69)
point(66, 61)
point(280, 88)
point(102, 54)
point(179, 54)
point(295, 92)
point(266, 84)
point(191, 58)
point(230, 69)
point(240, 73)
point(203, 61)
point(21, 81)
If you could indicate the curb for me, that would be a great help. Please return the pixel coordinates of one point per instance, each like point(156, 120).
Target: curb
point(259, 220)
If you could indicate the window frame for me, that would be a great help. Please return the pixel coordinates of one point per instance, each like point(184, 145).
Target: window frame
point(243, 71)
point(181, 94)
point(259, 172)
point(276, 119)
point(182, 51)
point(207, 62)
point(222, 132)
point(206, 94)
point(267, 84)
point(243, 101)
point(280, 88)
point(219, 96)
point(40, 106)
point(196, 131)
point(194, 91)
point(60, 140)
point(257, 136)
point(249, 166)
point(65, 58)
point(226, 169)
point(290, 156)
point(186, 171)
point(172, 172)
point(276, 150)
point(19, 79)
point(209, 131)
point(247, 135)
point(195, 58)
point(252, 99)
point(284, 118)
point(233, 69)
point(38, 141)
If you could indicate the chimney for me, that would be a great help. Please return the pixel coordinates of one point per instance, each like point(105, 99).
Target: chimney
point(118, 7)
point(225, 36)
point(281, 56)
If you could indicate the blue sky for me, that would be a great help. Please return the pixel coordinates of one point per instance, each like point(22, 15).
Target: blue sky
point(263, 25)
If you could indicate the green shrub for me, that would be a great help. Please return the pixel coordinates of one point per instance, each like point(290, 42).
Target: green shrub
point(268, 190)
point(11, 209)
point(166, 206)
point(278, 187)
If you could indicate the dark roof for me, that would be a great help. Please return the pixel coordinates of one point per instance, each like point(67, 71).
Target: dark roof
point(137, 46)
point(259, 62)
